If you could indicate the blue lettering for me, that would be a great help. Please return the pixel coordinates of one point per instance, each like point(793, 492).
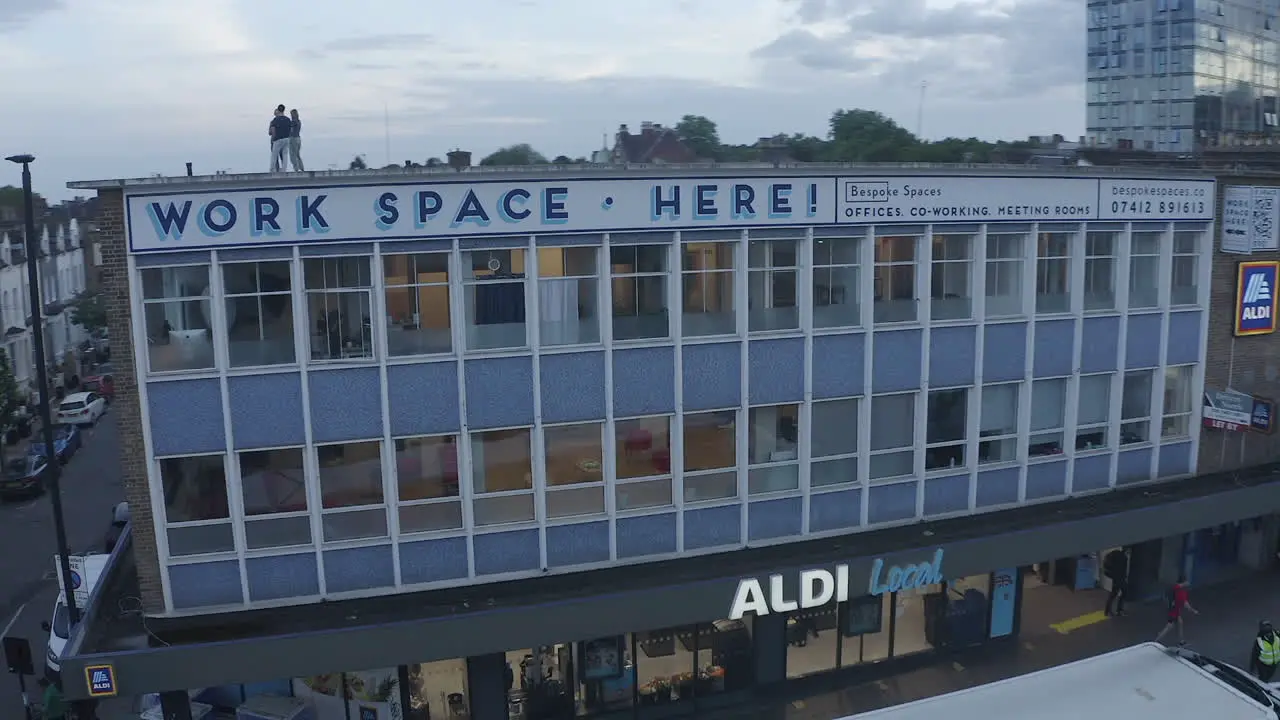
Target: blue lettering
point(907, 577)
point(744, 197)
point(309, 217)
point(508, 211)
point(780, 200)
point(553, 206)
point(388, 213)
point(665, 206)
point(213, 222)
point(705, 202)
point(265, 212)
point(428, 204)
point(171, 220)
point(471, 211)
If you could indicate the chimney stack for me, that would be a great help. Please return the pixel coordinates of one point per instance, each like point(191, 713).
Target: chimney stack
point(189, 171)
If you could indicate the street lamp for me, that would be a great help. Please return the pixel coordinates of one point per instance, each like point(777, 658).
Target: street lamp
point(42, 378)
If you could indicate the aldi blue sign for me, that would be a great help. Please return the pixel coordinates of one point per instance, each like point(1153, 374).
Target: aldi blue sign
point(1256, 297)
point(101, 680)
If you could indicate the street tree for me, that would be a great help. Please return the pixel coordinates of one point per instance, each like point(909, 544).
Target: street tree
point(521, 154)
point(89, 312)
point(11, 400)
point(701, 135)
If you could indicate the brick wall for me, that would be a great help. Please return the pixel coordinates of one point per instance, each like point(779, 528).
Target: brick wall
point(133, 456)
point(1247, 364)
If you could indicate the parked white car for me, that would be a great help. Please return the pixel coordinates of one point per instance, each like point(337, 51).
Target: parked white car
point(82, 408)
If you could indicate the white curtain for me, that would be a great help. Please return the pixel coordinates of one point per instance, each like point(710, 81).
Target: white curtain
point(558, 308)
point(999, 410)
point(1095, 400)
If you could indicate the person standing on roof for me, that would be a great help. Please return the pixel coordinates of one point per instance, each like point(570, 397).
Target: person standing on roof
point(279, 131)
point(1177, 598)
point(295, 140)
point(1266, 652)
point(1116, 567)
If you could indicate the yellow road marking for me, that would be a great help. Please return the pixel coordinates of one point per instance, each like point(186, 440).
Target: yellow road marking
point(1076, 623)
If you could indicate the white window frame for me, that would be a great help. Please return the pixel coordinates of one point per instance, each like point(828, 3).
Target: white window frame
point(962, 442)
point(665, 275)
point(1182, 417)
point(292, 514)
point(1104, 425)
point(531, 492)
point(910, 446)
point(1181, 257)
point(323, 512)
point(1100, 269)
point(1145, 260)
point(601, 485)
point(1003, 267)
point(769, 271)
point(828, 270)
point(938, 267)
point(1142, 419)
point(466, 263)
point(308, 326)
point(228, 297)
point(886, 268)
point(1045, 434)
point(618, 484)
point(161, 302)
point(1047, 273)
point(229, 521)
point(388, 286)
point(854, 454)
point(1004, 436)
point(703, 274)
point(694, 475)
point(401, 503)
point(774, 467)
point(553, 280)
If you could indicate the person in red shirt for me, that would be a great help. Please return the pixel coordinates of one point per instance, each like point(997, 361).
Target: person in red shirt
point(1177, 598)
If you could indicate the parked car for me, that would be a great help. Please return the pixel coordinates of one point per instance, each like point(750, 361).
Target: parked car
point(66, 441)
point(82, 408)
point(104, 385)
point(23, 476)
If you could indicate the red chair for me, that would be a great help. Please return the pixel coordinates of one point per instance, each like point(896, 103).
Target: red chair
point(662, 461)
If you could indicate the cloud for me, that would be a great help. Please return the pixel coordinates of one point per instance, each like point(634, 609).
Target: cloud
point(16, 13)
point(371, 43)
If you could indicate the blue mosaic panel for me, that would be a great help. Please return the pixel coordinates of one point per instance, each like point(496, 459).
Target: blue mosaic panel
point(577, 544)
point(644, 381)
point(346, 404)
point(1047, 479)
point(646, 535)
point(429, 561)
point(896, 359)
point(499, 392)
point(423, 399)
point(712, 376)
point(838, 363)
point(1004, 352)
point(835, 510)
point(205, 584)
point(952, 355)
point(890, 503)
point(361, 568)
point(504, 552)
point(776, 371)
point(1100, 344)
point(775, 518)
point(572, 387)
point(1055, 348)
point(186, 417)
point(712, 527)
point(282, 576)
point(266, 410)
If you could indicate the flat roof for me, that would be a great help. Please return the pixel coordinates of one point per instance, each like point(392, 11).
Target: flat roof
point(1143, 681)
point(371, 176)
point(293, 641)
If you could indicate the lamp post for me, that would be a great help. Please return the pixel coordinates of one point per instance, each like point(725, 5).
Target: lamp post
point(52, 469)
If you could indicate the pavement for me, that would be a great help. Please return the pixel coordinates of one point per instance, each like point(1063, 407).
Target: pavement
point(91, 488)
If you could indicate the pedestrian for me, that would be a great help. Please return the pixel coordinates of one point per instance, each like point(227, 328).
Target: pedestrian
point(52, 703)
point(1177, 599)
point(295, 141)
point(1116, 567)
point(279, 131)
point(1266, 652)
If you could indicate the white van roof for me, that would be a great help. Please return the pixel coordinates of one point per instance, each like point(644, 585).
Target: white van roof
point(1143, 681)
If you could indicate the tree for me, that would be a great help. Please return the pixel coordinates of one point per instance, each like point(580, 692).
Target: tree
point(11, 398)
point(562, 160)
point(11, 197)
point(700, 134)
point(434, 162)
point(89, 312)
point(522, 154)
point(358, 164)
point(868, 136)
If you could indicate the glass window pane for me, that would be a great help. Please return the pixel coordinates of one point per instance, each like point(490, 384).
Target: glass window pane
point(418, 320)
point(575, 501)
point(568, 311)
point(501, 461)
point(707, 292)
point(773, 433)
point(834, 429)
point(1136, 400)
point(259, 326)
point(188, 281)
point(574, 453)
point(350, 474)
point(640, 307)
point(1095, 399)
point(273, 481)
point(503, 509)
point(567, 262)
point(893, 421)
point(195, 488)
point(835, 297)
point(355, 525)
point(179, 335)
point(336, 273)
point(277, 532)
point(426, 467)
point(710, 440)
point(1177, 390)
point(340, 325)
point(1048, 404)
point(946, 418)
point(643, 447)
point(428, 517)
point(415, 269)
point(644, 494)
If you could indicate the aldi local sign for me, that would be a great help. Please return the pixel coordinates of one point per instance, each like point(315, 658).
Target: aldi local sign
point(1256, 297)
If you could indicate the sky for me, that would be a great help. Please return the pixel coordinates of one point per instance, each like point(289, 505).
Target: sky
point(130, 88)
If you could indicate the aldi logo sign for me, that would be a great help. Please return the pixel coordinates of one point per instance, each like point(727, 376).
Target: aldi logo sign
point(101, 680)
point(1256, 297)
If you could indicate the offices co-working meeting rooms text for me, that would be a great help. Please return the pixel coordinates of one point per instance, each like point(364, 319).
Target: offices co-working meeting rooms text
point(446, 209)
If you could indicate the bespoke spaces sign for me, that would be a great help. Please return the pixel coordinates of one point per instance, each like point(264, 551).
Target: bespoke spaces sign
point(1256, 297)
point(819, 587)
point(450, 208)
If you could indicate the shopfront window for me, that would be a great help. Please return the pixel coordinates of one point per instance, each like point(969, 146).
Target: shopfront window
point(493, 293)
point(353, 695)
point(175, 303)
point(864, 630)
point(417, 294)
point(695, 661)
point(707, 297)
point(915, 619)
point(567, 297)
point(643, 462)
point(839, 635)
point(438, 690)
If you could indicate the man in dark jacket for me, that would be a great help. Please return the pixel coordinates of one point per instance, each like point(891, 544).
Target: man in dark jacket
point(1116, 567)
point(1266, 652)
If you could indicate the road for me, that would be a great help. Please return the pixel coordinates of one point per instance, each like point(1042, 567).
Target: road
point(28, 586)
